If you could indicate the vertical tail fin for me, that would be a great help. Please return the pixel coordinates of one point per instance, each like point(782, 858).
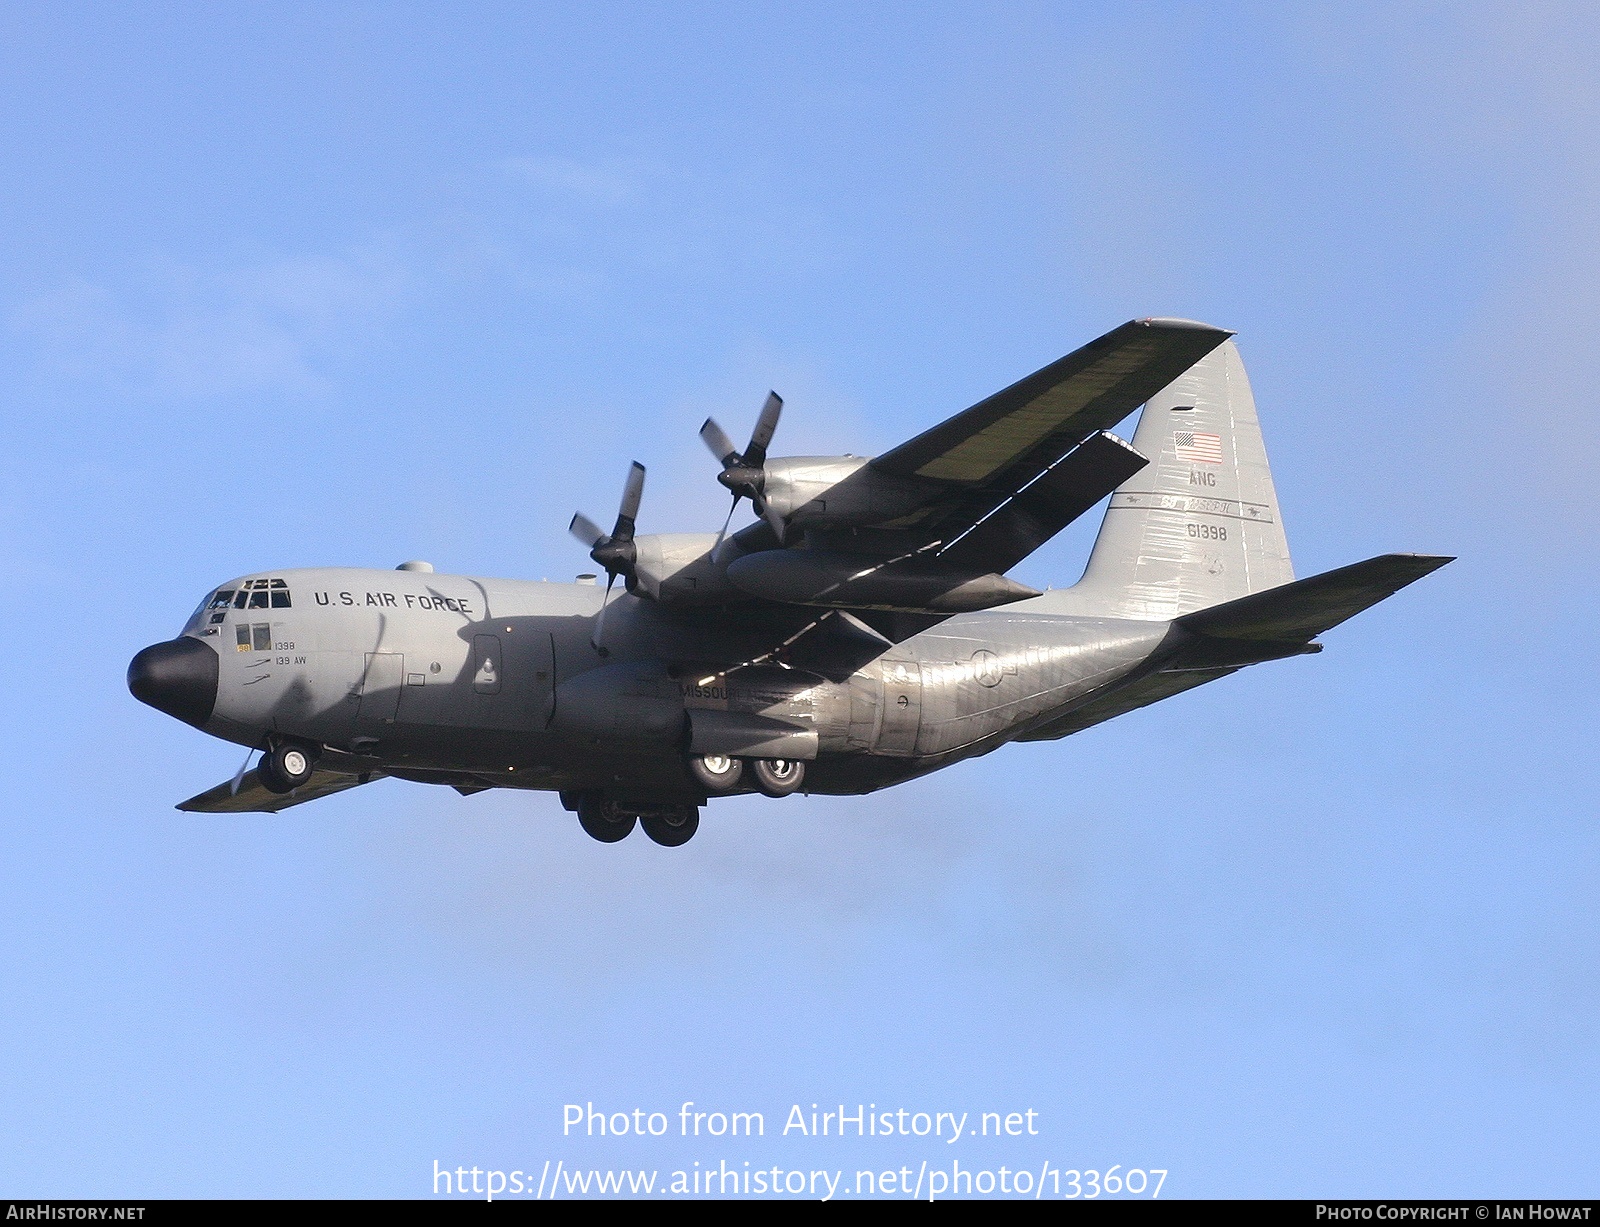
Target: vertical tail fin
point(1200, 524)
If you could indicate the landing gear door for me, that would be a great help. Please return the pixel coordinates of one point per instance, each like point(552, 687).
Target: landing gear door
point(902, 706)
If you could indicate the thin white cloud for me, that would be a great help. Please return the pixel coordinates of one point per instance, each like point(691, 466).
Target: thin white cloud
point(179, 330)
point(604, 183)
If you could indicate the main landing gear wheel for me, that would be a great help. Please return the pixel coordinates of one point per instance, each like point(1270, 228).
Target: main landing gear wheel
point(600, 819)
point(673, 828)
point(285, 767)
point(716, 773)
point(778, 777)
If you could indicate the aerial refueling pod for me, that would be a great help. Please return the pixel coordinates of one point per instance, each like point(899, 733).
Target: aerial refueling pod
point(816, 577)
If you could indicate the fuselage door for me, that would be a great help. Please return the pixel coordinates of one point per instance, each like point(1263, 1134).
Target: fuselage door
point(380, 686)
point(486, 664)
point(902, 706)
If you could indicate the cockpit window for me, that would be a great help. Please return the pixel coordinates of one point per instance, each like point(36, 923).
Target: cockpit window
point(262, 594)
point(222, 600)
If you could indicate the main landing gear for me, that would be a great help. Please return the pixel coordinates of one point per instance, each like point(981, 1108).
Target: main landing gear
point(673, 824)
point(668, 824)
point(718, 773)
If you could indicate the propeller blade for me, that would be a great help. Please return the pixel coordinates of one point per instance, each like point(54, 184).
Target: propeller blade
point(628, 513)
point(734, 506)
point(238, 776)
point(600, 620)
point(766, 425)
point(774, 520)
point(586, 530)
point(721, 446)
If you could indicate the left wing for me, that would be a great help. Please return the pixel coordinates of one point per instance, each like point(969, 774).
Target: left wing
point(1008, 439)
point(253, 797)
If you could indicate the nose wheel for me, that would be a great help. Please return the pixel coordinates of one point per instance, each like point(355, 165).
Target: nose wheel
point(286, 766)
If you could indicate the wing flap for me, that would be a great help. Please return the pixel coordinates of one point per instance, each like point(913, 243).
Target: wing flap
point(1088, 474)
point(253, 797)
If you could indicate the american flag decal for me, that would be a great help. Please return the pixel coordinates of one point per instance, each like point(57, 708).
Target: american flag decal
point(1197, 446)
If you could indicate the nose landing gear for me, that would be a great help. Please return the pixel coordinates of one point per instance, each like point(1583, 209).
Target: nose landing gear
point(285, 766)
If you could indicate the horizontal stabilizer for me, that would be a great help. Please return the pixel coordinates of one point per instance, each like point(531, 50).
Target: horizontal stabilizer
point(253, 797)
point(1086, 475)
point(1263, 626)
point(1297, 612)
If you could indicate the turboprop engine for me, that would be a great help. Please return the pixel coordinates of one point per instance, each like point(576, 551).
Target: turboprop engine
point(805, 491)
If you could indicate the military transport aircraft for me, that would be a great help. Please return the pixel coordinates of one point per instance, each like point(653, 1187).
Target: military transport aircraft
point(861, 632)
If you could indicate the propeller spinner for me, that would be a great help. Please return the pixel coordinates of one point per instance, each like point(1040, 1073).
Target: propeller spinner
point(744, 473)
point(615, 552)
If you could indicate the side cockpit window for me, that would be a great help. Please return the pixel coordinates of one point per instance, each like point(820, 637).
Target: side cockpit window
point(253, 636)
point(222, 600)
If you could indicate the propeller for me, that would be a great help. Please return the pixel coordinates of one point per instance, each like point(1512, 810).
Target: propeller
point(615, 552)
point(745, 473)
point(238, 776)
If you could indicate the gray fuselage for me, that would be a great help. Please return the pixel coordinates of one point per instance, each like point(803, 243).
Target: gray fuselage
point(485, 682)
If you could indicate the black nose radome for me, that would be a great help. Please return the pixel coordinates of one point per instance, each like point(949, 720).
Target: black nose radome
point(178, 677)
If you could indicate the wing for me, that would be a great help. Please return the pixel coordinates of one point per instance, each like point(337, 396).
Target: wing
point(1004, 442)
point(254, 798)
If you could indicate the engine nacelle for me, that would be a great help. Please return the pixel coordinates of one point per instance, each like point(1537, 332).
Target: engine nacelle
point(676, 569)
point(825, 492)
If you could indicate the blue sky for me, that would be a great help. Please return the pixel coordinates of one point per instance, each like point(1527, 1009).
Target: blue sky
point(356, 284)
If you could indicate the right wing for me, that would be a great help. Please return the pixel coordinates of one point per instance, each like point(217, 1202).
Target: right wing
point(253, 797)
